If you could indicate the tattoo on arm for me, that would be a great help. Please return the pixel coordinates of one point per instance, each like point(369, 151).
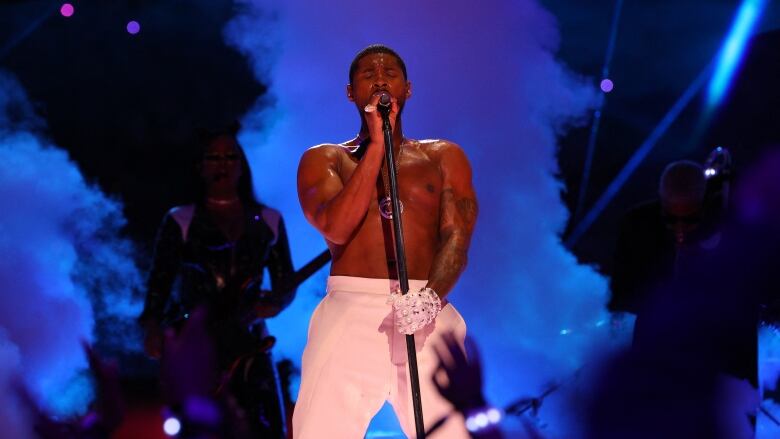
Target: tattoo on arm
point(467, 208)
point(458, 216)
point(448, 265)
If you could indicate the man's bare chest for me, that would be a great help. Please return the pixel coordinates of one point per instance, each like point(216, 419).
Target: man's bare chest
point(419, 181)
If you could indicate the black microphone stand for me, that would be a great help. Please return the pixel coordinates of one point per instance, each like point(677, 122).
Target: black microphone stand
point(400, 257)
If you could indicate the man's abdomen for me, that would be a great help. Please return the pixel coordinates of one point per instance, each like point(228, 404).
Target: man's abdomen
point(370, 254)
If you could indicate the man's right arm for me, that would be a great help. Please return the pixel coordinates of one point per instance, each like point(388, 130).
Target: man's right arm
point(334, 207)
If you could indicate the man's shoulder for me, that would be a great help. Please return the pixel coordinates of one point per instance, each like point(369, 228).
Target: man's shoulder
point(318, 155)
point(440, 149)
point(436, 145)
point(327, 150)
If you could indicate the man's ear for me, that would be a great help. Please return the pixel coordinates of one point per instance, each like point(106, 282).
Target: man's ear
point(349, 93)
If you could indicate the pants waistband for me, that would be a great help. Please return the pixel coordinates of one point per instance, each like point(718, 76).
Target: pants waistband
point(369, 285)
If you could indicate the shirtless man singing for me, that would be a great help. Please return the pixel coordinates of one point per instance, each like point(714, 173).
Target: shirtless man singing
point(355, 357)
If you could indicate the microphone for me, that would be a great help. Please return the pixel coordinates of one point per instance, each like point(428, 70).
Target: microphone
point(385, 103)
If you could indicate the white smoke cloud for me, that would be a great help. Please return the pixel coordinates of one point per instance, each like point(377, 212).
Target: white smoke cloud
point(60, 252)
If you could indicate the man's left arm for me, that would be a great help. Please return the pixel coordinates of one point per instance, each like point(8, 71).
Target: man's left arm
point(457, 216)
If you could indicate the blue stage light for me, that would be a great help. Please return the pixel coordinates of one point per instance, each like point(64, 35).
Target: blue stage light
point(733, 49)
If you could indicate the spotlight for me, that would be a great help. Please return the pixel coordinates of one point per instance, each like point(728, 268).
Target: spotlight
point(733, 49)
point(607, 85)
point(718, 163)
point(483, 419)
point(471, 425)
point(133, 27)
point(172, 426)
point(494, 416)
point(67, 10)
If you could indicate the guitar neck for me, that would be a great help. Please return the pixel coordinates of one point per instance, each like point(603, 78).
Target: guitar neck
point(300, 276)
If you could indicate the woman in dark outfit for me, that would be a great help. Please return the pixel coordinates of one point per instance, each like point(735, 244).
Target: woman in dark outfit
point(218, 249)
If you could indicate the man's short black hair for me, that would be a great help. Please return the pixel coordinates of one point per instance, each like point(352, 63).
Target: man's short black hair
point(375, 48)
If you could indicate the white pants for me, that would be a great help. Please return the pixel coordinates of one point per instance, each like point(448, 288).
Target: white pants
point(355, 360)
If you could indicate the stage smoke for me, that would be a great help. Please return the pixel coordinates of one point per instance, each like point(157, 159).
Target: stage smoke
point(61, 254)
point(484, 76)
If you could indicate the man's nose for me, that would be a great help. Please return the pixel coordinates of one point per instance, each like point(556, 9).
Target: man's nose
point(380, 82)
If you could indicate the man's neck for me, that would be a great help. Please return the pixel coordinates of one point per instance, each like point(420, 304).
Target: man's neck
point(398, 136)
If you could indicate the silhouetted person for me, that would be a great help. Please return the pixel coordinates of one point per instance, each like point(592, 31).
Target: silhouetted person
point(459, 380)
point(659, 239)
point(217, 249)
point(693, 370)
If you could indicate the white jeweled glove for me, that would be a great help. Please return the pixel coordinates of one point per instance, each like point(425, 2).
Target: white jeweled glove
point(414, 310)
